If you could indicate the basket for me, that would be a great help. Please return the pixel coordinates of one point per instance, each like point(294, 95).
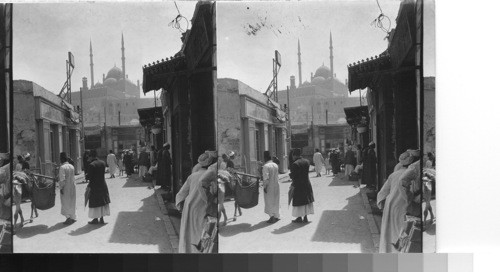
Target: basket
point(247, 193)
point(44, 195)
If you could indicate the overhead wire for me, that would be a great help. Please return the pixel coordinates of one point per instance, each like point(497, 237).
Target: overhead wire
point(176, 22)
point(379, 21)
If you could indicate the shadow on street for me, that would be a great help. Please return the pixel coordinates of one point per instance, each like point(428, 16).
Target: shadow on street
point(344, 226)
point(231, 230)
point(30, 231)
point(288, 228)
point(133, 181)
point(86, 229)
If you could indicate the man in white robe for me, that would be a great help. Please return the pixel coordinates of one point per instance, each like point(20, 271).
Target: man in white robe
point(319, 161)
point(68, 190)
point(271, 188)
point(192, 201)
point(112, 163)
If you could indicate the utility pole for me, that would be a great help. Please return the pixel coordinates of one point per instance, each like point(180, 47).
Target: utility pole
point(326, 115)
point(82, 133)
point(289, 125)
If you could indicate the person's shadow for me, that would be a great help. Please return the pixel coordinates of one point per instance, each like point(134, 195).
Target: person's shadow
point(86, 229)
point(30, 231)
point(231, 230)
point(288, 228)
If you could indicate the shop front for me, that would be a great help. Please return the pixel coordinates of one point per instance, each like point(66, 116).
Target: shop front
point(45, 126)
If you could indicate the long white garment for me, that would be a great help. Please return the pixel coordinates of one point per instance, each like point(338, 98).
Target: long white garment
point(112, 163)
point(272, 194)
point(68, 188)
point(396, 202)
point(318, 162)
point(193, 212)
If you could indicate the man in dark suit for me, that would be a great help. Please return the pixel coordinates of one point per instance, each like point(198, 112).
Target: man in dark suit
point(303, 197)
point(99, 194)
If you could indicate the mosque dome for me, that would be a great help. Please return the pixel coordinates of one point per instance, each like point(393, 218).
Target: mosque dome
point(318, 80)
point(110, 82)
point(306, 83)
point(98, 85)
point(323, 71)
point(115, 73)
point(126, 80)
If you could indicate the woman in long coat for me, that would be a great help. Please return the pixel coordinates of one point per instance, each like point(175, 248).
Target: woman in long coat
point(192, 201)
point(303, 197)
point(164, 167)
point(99, 194)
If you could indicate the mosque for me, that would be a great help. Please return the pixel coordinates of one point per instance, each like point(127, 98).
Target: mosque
point(113, 104)
point(113, 101)
point(321, 100)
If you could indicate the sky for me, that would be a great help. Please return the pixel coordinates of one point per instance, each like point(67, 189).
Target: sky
point(44, 33)
point(246, 53)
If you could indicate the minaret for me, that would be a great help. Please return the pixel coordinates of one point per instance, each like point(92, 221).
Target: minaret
point(123, 57)
point(91, 66)
point(300, 66)
point(331, 55)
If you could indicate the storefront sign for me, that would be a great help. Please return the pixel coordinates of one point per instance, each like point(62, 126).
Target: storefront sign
point(52, 114)
point(258, 112)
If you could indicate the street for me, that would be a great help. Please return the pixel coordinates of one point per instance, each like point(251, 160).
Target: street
point(135, 224)
point(339, 223)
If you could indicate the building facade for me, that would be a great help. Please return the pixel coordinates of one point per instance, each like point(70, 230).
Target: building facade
point(44, 126)
point(248, 124)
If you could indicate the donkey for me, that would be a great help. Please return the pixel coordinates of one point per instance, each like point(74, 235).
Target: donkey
point(22, 181)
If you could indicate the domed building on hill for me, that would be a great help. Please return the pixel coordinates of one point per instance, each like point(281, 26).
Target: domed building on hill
point(113, 102)
point(320, 100)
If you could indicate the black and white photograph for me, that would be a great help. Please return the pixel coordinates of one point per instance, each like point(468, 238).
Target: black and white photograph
point(113, 128)
point(6, 93)
point(320, 136)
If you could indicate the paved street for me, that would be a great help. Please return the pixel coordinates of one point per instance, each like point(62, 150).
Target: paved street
point(134, 226)
point(338, 225)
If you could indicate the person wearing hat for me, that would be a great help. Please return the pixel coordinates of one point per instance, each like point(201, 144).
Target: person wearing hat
point(229, 162)
point(67, 188)
point(26, 162)
point(164, 171)
point(393, 200)
point(350, 161)
point(143, 162)
point(369, 177)
point(302, 193)
point(192, 201)
point(318, 162)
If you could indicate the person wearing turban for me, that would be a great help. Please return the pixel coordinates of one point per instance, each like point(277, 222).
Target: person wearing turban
point(192, 201)
point(393, 200)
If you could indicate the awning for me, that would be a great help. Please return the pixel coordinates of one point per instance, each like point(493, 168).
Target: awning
point(363, 73)
point(147, 116)
point(160, 74)
point(355, 114)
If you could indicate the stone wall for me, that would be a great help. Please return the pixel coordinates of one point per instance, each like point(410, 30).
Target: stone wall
point(24, 124)
point(229, 130)
point(429, 115)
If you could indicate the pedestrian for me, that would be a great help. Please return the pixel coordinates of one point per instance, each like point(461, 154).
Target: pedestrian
point(223, 163)
point(26, 162)
point(271, 188)
point(302, 193)
point(19, 164)
point(328, 166)
point(85, 165)
point(112, 163)
point(119, 159)
point(192, 201)
point(429, 177)
point(128, 160)
point(318, 162)
point(99, 195)
point(153, 156)
point(359, 154)
point(350, 161)
point(143, 162)
point(164, 176)
point(335, 161)
point(67, 188)
point(369, 176)
point(229, 162)
point(392, 199)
